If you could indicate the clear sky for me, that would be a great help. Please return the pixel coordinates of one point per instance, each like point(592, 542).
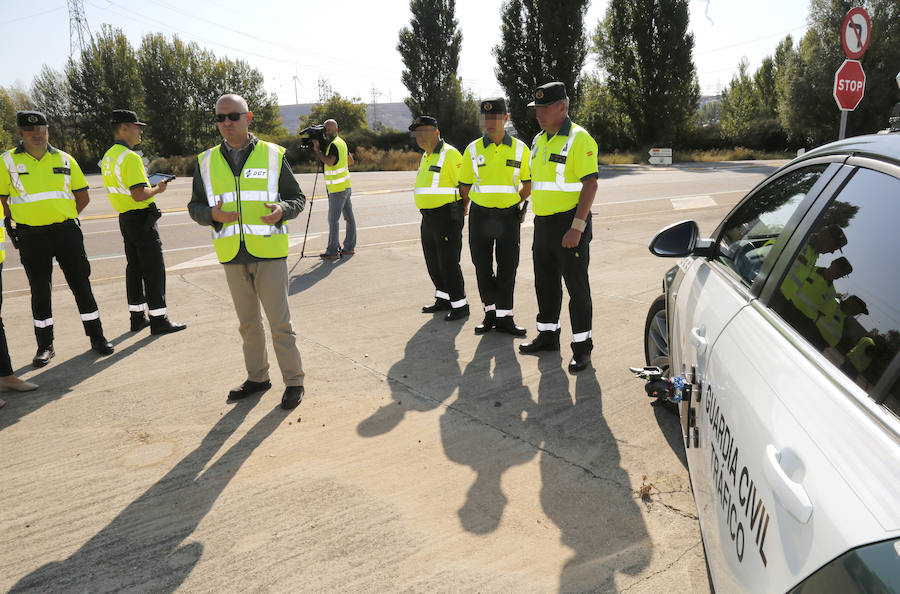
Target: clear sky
point(353, 43)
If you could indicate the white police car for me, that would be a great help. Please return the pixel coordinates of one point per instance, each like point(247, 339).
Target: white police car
point(784, 328)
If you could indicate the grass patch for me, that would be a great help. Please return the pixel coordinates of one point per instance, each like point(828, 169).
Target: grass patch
point(737, 153)
point(619, 158)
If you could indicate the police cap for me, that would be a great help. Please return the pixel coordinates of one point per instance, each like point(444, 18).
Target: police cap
point(495, 105)
point(855, 303)
point(423, 120)
point(549, 93)
point(842, 266)
point(30, 118)
point(125, 116)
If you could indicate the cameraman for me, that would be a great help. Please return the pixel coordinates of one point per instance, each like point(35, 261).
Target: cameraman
point(337, 184)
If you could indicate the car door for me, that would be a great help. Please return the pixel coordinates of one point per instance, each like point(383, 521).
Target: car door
point(711, 295)
point(802, 444)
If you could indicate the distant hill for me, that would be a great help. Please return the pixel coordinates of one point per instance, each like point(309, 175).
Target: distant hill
point(391, 115)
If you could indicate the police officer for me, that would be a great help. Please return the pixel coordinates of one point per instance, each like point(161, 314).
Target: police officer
point(564, 180)
point(129, 191)
point(443, 215)
point(493, 166)
point(43, 190)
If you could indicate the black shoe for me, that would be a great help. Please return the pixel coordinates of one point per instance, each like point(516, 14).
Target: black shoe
point(545, 341)
point(333, 256)
point(139, 322)
point(438, 305)
point(101, 346)
point(457, 313)
point(248, 388)
point(581, 355)
point(485, 326)
point(43, 355)
point(292, 397)
point(163, 325)
point(508, 325)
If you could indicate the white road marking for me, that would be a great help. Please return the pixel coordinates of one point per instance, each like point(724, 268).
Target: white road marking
point(692, 202)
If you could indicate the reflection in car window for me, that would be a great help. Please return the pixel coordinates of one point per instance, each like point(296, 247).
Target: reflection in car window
point(753, 229)
point(842, 290)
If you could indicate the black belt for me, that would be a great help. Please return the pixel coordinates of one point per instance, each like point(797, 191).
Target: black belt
point(23, 229)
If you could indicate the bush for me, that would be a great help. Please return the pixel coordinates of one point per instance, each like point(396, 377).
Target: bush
point(373, 159)
point(179, 165)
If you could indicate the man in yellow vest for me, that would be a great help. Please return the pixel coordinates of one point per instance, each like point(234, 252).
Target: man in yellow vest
point(564, 176)
point(43, 189)
point(336, 159)
point(244, 189)
point(8, 381)
point(493, 167)
point(129, 191)
point(443, 216)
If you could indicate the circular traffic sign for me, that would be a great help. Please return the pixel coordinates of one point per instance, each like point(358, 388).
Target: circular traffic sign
point(855, 33)
point(849, 85)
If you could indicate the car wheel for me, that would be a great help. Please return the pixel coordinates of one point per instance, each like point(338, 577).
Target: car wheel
point(656, 339)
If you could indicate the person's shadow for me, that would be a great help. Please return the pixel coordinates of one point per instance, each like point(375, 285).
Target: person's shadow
point(495, 398)
point(306, 279)
point(61, 379)
point(584, 490)
point(143, 547)
point(422, 380)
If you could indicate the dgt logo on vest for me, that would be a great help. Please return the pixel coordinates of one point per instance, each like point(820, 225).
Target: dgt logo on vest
point(255, 173)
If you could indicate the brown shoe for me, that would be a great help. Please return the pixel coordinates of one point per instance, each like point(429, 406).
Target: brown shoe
point(11, 383)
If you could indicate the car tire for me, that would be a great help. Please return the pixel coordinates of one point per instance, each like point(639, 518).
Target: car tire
point(656, 341)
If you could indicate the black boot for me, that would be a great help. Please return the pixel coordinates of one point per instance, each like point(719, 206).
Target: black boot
point(438, 305)
point(45, 350)
point(508, 325)
point(162, 325)
point(487, 323)
point(547, 340)
point(139, 321)
point(99, 344)
point(581, 355)
point(458, 313)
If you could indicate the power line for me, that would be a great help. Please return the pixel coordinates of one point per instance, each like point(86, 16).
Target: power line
point(750, 41)
point(31, 16)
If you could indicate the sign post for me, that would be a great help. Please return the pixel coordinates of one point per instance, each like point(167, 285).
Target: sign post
point(850, 80)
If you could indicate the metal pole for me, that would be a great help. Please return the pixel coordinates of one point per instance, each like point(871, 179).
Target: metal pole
point(309, 212)
point(843, 133)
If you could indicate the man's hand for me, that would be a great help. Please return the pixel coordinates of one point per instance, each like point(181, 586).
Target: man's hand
point(571, 238)
point(315, 144)
point(276, 214)
point(161, 187)
point(219, 216)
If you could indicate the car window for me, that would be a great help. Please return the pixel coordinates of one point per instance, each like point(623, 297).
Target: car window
point(753, 229)
point(842, 289)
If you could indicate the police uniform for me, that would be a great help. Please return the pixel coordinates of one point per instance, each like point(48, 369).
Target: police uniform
point(559, 165)
point(436, 188)
point(42, 203)
point(492, 173)
point(145, 269)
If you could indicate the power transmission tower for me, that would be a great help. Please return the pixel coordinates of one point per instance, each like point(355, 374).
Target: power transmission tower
point(375, 95)
point(325, 91)
point(79, 32)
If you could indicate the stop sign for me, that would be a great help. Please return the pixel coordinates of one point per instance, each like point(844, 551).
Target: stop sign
point(849, 85)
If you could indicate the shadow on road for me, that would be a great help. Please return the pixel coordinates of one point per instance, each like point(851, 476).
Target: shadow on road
point(319, 270)
point(61, 379)
point(141, 549)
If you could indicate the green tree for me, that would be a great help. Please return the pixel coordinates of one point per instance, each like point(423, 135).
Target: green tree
point(740, 106)
point(430, 48)
point(12, 99)
point(168, 71)
point(599, 112)
point(50, 94)
point(350, 114)
point(541, 41)
point(806, 107)
point(646, 51)
point(106, 77)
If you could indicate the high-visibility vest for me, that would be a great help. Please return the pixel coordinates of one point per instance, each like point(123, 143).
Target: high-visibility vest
point(799, 271)
point(815, 296)
point(2, 244)
point(437, 181)
point(859, 354)
point(497, 171)
point(831, 325)
point(337, 176)
point(246, 195)
point(43, 195)
point(554, 186)
point(116, 190)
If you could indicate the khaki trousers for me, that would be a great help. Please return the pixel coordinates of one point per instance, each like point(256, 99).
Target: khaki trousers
point(265, 283)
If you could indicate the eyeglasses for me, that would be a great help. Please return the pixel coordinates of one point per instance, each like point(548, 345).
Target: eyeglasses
point(234, 116)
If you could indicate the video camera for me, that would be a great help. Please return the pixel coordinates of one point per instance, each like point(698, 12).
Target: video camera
point(307, 135)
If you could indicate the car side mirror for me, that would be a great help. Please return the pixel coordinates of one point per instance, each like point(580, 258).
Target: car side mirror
point(680, 240)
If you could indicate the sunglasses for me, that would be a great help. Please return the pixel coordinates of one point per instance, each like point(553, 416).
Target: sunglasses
point(234, 116)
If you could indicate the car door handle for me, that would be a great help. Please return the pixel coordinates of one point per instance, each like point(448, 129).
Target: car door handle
point(698, 340)
point(790, 494)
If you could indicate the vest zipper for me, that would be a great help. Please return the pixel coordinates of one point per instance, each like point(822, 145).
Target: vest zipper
point(240, 221)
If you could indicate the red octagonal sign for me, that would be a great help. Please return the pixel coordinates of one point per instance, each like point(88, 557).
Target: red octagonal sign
point(849, 85)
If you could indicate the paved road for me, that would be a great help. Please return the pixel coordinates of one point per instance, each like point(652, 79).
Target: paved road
point(423, 458)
